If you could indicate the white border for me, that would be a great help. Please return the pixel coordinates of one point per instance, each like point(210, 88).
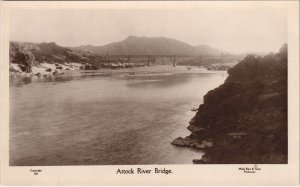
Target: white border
point(281, 174)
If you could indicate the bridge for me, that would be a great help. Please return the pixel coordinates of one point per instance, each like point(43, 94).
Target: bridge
point(150, 59)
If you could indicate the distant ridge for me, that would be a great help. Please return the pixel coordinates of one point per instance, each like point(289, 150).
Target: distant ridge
point(133, 45)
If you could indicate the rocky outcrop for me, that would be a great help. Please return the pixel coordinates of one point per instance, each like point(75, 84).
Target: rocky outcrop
point(25, 60)
point(245, 118)
point(28, 55)
point(192, 142)
point(88, 66)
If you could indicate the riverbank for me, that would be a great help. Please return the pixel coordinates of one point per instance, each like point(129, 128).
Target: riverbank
point(111, 115)
point(245, 119)
point(46, 70)
point(43, 69)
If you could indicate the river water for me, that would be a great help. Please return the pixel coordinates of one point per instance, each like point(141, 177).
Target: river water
point(106, 117)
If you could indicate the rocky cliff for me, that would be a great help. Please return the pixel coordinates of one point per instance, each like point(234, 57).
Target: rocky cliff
point(49, 58)
point(27, 55)
point(245, 119)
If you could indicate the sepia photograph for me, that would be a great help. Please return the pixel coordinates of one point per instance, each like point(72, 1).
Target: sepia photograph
point(135, 86)
point(195, 85)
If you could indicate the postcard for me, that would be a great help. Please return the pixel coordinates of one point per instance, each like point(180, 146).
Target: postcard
point(150, 93)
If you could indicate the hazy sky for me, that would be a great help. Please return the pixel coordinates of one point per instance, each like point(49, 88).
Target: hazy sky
point(235, 30)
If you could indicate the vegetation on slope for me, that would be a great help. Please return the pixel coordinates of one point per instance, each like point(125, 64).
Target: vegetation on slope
point(245, 119)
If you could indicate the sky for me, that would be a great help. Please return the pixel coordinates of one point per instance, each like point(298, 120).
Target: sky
point(231, 30)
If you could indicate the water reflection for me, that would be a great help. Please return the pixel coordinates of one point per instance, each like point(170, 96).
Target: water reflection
point(107, 118)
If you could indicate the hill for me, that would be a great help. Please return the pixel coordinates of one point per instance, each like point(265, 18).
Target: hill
point(245, 119)
point(27, 55)
point(133, 45)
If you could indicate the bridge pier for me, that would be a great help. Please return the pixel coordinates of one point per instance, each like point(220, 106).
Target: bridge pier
point(174, 61)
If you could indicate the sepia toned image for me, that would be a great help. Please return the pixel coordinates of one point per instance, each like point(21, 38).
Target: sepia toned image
point(115, 87)
point(137, 92)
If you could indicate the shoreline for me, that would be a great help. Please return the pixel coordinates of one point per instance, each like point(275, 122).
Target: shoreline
point(244, 120)
point(41, 70)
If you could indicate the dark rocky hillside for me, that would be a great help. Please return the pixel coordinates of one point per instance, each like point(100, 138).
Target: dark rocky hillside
point(48, 52)
point(245, 119)
point(27, 55)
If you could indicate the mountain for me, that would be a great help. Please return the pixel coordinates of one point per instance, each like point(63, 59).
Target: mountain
point(133, 45)
point(244, 120)
point(27, 55)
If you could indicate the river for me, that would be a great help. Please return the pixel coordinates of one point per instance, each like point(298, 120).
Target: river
point(106, 117)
